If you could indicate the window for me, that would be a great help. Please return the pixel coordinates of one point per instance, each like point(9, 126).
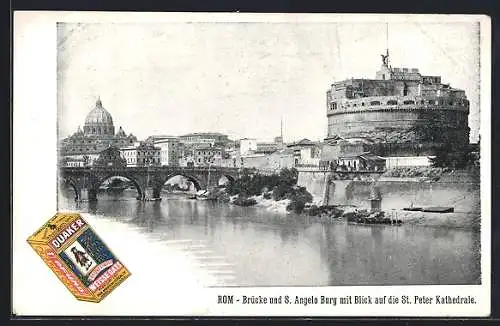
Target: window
point(362, 103)
point(432, 102)
point(450, 103)
point(374, 103)
point(333, 106)
point(409, 102)
point(392, 102)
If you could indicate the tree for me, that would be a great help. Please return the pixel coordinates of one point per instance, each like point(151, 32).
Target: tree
point(289, 176)
point(449, 156)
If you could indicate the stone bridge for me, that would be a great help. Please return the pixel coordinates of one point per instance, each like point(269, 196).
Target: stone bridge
point(149, 181)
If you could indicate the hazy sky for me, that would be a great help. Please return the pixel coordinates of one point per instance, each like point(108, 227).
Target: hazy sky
point(241, 78)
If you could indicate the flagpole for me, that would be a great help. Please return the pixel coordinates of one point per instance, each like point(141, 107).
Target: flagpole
point(387, 41)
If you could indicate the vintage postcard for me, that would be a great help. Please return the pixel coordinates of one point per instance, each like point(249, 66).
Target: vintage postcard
point(257, 164)
point(79, 258)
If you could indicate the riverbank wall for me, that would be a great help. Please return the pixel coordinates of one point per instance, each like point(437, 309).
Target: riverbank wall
point(459, 191)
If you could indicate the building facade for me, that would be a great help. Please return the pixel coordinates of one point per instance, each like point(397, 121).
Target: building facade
point(170, 149)
point(273, 162)
point(73, 162)
point(204, 138)
point(204, 156)
point(306, 152)
point(247, 146)
point(361, 162)
point(145, 154)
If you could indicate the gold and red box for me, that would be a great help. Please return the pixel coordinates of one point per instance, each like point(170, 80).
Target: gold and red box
point(78, 256)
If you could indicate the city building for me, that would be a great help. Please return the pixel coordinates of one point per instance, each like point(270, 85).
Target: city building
point(271, 162)
point(205, 138)
point(250, 146)
point(187, 161)
point(278, 141)
point(247, 146)
point(169, 152)
point(110, 157)
point(266, 148)
point(360, 162)
point(73, 162)
point(97, 135)
point(402, 111)
point(206, 155)
point(306, 152)
point(170, 149)
point(146, 154)
point(232, 150)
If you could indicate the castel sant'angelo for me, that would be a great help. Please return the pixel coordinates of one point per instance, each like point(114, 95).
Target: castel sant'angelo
point(400, 112)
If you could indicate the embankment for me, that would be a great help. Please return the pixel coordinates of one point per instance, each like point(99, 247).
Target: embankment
point(458, 190)
point(463, 192)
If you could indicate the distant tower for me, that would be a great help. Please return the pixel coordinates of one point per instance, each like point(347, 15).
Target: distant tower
point(279, 140)
point(281, 125)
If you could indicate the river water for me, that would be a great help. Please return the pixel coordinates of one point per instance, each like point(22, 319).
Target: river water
point(251, 246)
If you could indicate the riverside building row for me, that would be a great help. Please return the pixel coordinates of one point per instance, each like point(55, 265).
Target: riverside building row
point(97, 144)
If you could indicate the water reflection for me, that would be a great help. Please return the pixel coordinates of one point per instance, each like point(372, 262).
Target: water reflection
point(267, 248)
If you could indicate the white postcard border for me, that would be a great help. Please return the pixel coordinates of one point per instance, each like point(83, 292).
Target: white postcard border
point(35, 164)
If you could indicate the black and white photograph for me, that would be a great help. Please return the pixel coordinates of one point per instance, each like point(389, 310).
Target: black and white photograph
point(283, 151)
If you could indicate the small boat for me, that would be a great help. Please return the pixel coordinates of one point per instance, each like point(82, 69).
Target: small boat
point(202, 195)
point(413, 209)
point(438, 209)
point(152, 199)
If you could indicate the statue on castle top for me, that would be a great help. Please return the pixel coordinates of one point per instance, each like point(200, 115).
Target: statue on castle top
point(385, 59)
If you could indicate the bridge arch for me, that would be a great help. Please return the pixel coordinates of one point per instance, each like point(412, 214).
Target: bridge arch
point(72, 184)
point(230, 178)
point(137, 184)
point(197, 183)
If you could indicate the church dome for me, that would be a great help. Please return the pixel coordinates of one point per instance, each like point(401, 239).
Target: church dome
point(99, 115)
point(99, 121)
